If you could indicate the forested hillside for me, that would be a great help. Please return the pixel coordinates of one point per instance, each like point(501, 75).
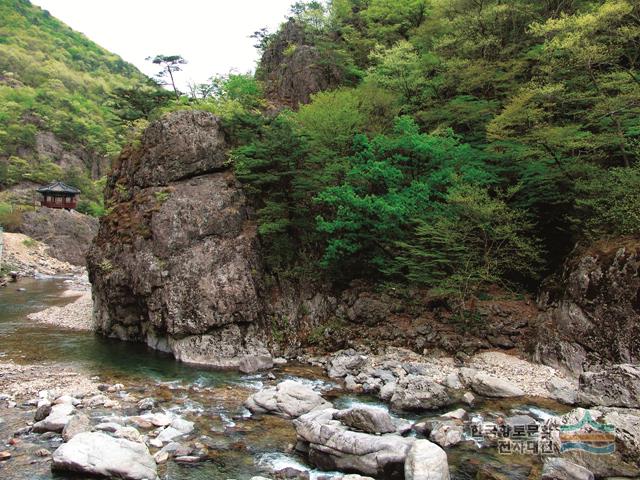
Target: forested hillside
point(469, 142)
point(55, 115)
point(446, 144)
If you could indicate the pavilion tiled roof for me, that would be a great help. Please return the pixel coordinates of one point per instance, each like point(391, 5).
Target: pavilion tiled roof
point(58, 187)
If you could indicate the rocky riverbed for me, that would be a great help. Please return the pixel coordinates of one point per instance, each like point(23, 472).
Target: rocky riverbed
point(386, 414)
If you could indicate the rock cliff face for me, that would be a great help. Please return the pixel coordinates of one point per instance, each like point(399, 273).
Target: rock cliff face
point(67, 234)
point(592, 311)
point(293, 68)
point(175, 262)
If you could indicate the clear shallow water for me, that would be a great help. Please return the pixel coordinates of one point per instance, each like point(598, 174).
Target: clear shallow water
point(240, 446)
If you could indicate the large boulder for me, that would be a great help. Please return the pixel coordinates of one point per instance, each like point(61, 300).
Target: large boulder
point(590, 311)
point(175, 263)
point(367, 419)
point(96, 453)
point(426, 461)
point(489, 385)
point(615, 386)
point(330, 445)
point(419, 392)
point(288, 399)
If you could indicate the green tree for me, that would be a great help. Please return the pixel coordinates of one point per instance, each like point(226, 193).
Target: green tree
point(472, 240)
point(170, 64)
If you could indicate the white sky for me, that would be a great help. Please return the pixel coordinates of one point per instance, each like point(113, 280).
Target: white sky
point(212, 35)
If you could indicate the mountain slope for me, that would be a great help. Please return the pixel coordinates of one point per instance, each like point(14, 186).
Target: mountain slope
point(54, 87)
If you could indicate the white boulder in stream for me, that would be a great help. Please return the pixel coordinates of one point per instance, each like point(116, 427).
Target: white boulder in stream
point(488, 385)
point(330, 445)
point(57, 419)
point(426, 461)
point(96, 453)
point(288, 399)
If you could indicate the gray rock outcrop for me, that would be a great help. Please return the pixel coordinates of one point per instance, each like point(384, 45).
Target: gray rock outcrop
point(175, 263)
point(615, 386)
point(293, 68)
point(591, 315)
point(67, 234)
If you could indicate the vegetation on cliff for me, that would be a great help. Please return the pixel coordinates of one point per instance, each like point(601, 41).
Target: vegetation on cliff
point(481, 141)
point(56, 121)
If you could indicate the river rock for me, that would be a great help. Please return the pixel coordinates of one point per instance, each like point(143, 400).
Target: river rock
point(56, 420)
point(96, 453)
point(129, 433)
point(288, 399)
point(344, 363)
point(43, 411)
point(331, 446)
point(386, 391)
point(96, 401)
point(146, 404)
point(182, 425)
point(417, 392)
point(457, 414)
point(367, 419)
point(426, 461)
point(469, 398)
point(291, 473)
point(627, 430)
point(562, 390)
point(560, 469)
point(158, 419)
point(614, 386)
point(488, 385)
point(169, 434)
point(176, 261)
point(447, 433)
point(78, 423)
point(254, 363)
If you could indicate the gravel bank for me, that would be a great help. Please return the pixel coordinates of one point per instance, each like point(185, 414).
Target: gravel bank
point(25, 381)
point(77, 315)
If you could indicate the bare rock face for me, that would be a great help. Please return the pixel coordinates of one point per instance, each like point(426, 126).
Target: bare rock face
point(592, 314)
point(67, 234)
point(175, 262)
point(293, 69)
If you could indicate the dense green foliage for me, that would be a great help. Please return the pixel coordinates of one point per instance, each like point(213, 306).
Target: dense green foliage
point(53, 79)
point(472, 142)
point(482, 141)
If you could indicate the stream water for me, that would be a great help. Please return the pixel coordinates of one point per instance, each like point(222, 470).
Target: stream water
point(239, 446)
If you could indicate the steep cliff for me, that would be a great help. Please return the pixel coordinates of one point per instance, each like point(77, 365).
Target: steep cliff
point(592, 310)
point(175, 262)
point(293, 67)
